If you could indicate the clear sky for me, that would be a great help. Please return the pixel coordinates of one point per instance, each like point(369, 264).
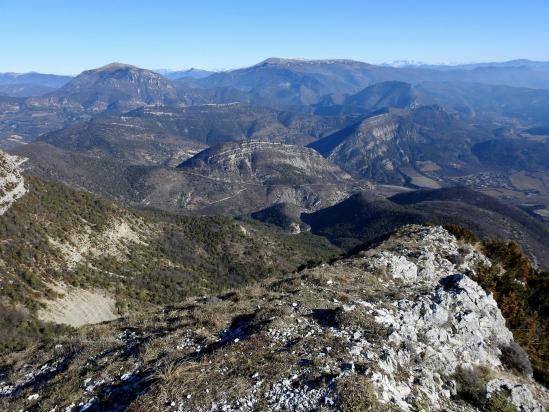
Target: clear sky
point(68, 36)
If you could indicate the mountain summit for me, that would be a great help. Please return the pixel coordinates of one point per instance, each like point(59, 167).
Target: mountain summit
point(115, 86)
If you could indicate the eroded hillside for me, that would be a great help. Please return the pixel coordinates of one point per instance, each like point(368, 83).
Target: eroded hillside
point(401, 326)
point(72, 257)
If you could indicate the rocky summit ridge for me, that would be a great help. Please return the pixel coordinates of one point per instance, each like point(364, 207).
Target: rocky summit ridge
point(399, 326)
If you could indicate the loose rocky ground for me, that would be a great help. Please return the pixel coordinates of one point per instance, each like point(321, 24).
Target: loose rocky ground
point(400, 326)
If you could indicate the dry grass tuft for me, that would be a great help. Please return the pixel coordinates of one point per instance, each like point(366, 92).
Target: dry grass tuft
point(356, 393)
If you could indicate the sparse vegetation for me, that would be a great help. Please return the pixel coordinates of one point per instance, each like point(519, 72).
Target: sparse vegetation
point(356, 393)
point(471, 388)
point(471, 384)
point(461, 233)
point(307, 338)
point(499, 403)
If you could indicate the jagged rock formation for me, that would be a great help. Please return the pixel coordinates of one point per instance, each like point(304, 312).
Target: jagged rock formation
point(389, 329)
point(12, 184)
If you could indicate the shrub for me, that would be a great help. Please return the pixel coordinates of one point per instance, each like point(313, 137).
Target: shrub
point(509, 255)
point(19, 330)
point(471, 384)
point(513, 356)
point(461, 233)
point(499, 402)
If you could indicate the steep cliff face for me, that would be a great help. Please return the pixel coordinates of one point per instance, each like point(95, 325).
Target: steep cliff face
point(421, 147)
point(401, 326)
point(12, 184)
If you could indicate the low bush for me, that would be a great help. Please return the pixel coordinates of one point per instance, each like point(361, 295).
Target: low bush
point(461, 233)
point(513, 356)
point(499, 402)
point(471, 384)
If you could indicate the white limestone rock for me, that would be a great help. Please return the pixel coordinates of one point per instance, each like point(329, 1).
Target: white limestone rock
point(519, 394)
point(12, 184)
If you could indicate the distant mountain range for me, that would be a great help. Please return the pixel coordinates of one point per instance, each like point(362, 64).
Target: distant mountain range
point(470, 66)
point(114, 87)
point(293, 83)
point(24, 90)
point(417, 127)
point(38, 79)
point(183, 74)
point(281, 83)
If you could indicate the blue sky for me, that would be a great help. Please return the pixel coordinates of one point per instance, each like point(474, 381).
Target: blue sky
point(68, 36)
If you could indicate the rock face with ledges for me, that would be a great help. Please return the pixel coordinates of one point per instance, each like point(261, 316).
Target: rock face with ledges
point(264, 162)
point(419, 146)
point(12, 184)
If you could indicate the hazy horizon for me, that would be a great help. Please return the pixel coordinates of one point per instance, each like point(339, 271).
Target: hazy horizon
point(64, 37)
point(394, 63)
